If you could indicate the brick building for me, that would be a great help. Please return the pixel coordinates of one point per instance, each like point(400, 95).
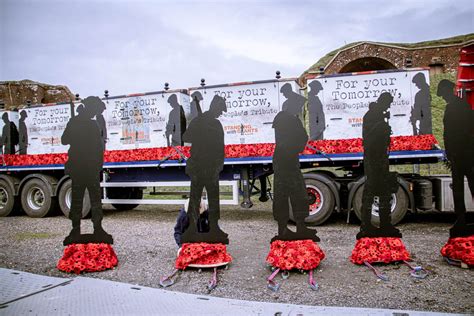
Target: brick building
point(439, 55)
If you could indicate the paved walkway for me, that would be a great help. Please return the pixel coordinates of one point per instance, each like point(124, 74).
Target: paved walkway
point(23, 293)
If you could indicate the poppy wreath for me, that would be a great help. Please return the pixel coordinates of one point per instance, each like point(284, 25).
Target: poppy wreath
point(380, 249)
point(92, 257)
point(339, 146)
point(460, 248)
point(203, 254)
point(295, 254)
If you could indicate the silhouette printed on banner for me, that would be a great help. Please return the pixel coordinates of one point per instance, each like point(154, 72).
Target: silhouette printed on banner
point(101, 122)
point(23, 133)
point(317, 121)
point(206, 135)
point(85, 160)
point(10, 136)
point(459, 145)
point(176, 125)
point(289, 186)
point(421, 111)
point(380, 183)
point(196, 105)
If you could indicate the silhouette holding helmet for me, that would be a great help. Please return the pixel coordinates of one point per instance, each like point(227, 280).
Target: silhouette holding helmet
point(176, 125)
point(421, 110)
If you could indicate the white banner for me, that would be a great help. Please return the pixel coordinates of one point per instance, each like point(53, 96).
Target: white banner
point(140, 121)
point(345, 100)
point(251, 109)
point(45, 126)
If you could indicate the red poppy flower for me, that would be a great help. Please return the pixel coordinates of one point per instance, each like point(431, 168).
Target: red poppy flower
point(460, 248)
point(202, 254)
point(91, 257)
point(384, 249)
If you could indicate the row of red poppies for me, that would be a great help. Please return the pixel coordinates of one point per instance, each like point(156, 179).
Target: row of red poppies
point(354, 145)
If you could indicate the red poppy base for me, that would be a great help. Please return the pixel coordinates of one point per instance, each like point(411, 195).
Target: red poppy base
point(380, 249)
point(460, 248)
point(295, 254)
point(91, 257)
point(202, 254)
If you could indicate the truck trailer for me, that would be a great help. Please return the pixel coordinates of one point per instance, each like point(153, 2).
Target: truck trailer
point(139, 157)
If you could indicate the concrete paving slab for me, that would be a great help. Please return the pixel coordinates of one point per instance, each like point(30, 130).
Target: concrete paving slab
point(87, 296)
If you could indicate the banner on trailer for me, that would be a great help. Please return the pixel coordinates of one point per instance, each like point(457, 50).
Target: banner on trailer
point(251, 109)
point(346, 99)
point(45, 125)
point(139, 121)
point(7, 138)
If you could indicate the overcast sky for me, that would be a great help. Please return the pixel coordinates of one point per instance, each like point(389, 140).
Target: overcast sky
point(137, 46)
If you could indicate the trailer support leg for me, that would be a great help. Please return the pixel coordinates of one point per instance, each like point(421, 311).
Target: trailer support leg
point(246, 203)
point(263, 189)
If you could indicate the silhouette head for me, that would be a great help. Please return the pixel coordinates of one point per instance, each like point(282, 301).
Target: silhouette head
point(286, 89)
point(446, 89)
point(5, 117)
point(92, 106)
point(384, 101)
point(173, 100)
point(315, 86)
point(196, 95)
point(217, 106)
point(23, 115)
point(419, 80)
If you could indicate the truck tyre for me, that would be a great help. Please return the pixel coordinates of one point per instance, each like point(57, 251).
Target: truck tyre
point(36, 198)
point(124, 193)
point(399, 206)
point(65, 195)
point(7, 200)
point(321, 201)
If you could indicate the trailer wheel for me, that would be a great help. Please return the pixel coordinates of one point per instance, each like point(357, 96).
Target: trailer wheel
point(399, 206)
point(321, 201)
point(124, 193)
point(36, 198)
point(7, 200)
point(65, 197)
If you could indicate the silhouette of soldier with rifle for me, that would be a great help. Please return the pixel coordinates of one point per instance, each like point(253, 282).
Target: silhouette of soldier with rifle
point(459, 143)
point(206, 135)
point(85, 160)
point(10, 136)
point(290, 140)
point(380, 183)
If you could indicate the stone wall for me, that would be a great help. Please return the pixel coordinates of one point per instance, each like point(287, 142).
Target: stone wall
point(16, 93)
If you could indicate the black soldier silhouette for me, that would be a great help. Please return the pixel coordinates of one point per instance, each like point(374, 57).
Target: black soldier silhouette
point(101, 122)
point(289, 186)
point(206, 135)
point(317, 121)
point(196, 110)
point(10, 136)
point(23, 133)
point(85, 160)
point(380, 183)
point(459, 145)
point(176, 125)
point(421, 110)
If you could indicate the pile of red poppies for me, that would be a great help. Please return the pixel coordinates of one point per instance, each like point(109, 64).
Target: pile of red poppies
point(202, 254)
point(295, 254)
point(91, 257)
point(460, 248)
point(380, 249)
point(339, 146)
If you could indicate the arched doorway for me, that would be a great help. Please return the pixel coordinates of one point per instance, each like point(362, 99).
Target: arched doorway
point(367, 64)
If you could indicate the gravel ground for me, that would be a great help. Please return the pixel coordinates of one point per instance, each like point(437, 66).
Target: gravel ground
point(146, 250)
